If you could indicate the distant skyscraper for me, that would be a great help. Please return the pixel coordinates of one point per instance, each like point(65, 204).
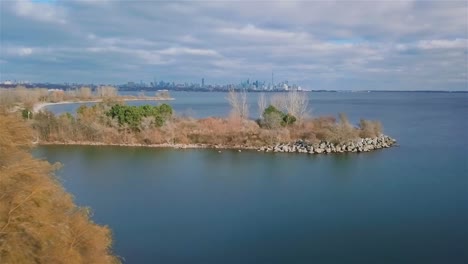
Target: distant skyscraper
point(203, 82)
point(272, 81)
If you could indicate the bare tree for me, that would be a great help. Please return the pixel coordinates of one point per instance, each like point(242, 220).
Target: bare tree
point(279, 102)
point(297, 104)
point(262, 104)
point(106, 91)
point(84, 93)
point(239, 105)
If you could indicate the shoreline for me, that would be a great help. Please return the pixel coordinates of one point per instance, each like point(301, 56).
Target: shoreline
point(37, 107)
point(139, 145)
point(322, 147)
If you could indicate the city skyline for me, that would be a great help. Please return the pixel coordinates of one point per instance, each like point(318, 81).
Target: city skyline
point(345, 45)
point(254, 85)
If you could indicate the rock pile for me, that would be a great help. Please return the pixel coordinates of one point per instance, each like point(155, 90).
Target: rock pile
point(360, 145)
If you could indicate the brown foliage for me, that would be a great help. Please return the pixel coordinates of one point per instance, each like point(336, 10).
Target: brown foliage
point(106, 92)
point(370, 128)
point(39, 223)
point(22, 96)
point(328, 129)
point(92, 125)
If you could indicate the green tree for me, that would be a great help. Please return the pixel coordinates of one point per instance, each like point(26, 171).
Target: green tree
point(133, 115)
point(273, 118)
point(27, 113)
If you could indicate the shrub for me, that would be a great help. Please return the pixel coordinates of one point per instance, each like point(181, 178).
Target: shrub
point(328, 129)
point(369, 128)
point(26, 113)
point(133, 115)
point(288, 119)
point(39, 222)
point(45, 123)
point(274, 118)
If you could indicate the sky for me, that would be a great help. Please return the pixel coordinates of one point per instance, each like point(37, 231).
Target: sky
point(340, 45)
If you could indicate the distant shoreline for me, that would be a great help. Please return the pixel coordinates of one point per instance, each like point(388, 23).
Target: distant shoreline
point(217, 89)
point(39, 106)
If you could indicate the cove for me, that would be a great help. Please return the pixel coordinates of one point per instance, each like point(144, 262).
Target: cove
point(407, 204)
point(200, 206)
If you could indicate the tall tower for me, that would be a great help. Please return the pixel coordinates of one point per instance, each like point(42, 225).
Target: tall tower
point(272, 80)
point(203, 82)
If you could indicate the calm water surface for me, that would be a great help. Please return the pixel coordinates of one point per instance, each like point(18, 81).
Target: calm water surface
point(407, 204)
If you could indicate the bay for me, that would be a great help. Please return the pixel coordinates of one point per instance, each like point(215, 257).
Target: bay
point(407, 204)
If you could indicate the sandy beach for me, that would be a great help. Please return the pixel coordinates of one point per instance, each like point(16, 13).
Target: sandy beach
point(39, 106)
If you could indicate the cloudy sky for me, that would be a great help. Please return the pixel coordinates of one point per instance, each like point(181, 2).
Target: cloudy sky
point(399, 45)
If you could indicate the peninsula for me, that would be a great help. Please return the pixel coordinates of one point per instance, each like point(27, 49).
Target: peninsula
point(284, 124)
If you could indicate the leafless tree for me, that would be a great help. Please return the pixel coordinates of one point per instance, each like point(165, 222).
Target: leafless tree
point(279, 101)
point(239, 104)
point(297, 104)
point(84, 93)
point(106, 91)
point(262, 104)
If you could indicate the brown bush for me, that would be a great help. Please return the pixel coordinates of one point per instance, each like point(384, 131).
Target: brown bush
point(39, 223)
point(329, 130)
point(369, 129)
point(305, 130)
point(92, 125)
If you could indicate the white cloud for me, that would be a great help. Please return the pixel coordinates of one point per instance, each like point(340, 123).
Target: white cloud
point(25, 51)
point(119, 41)
point(189, 39)
point(443, 44)
point(255, 33)
point(173, 51)
point(40, 11)
point(17, 51)
point(303, 41)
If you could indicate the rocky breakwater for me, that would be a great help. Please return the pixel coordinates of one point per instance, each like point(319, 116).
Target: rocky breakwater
point(359, 145)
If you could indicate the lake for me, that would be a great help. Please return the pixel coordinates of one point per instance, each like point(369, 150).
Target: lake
point(406, 204)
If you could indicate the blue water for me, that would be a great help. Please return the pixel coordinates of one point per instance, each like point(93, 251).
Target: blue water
point(407, 204)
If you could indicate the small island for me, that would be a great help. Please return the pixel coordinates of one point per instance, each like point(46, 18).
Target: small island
point(284, 124)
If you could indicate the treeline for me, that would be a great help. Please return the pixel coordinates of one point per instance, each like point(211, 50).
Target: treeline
point(116, 123)
point(39, 222)
point(25, 98)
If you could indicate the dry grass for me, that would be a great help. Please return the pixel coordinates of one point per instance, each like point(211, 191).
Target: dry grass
point(92, 125)
point(370, 128)
point(23, 97)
